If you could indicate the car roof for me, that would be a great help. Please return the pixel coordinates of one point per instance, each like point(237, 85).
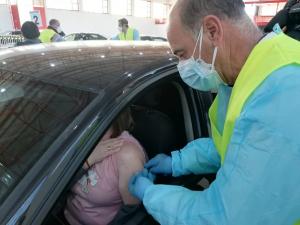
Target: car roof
point(91, 65)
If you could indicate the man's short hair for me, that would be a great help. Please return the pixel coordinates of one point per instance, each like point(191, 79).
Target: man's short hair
point(30, 30)
point(193, 10)
point(123, 21)
point(54, 22)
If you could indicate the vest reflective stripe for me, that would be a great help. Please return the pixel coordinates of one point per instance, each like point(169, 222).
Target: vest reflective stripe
point(266, 57)
point(46, 35)
point(129, 35)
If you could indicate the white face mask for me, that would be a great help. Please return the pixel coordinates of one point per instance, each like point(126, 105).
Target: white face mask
point(197, 73)
point(120, 29)
point(58, 29)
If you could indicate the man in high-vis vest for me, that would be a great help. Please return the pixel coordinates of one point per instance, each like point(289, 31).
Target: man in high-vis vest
point(126, 33)
point(52, 33)
point(255, 122)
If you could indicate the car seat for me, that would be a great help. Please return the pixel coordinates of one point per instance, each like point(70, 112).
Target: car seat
point(154, 130)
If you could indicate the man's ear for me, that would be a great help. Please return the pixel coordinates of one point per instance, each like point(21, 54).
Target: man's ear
point(213, 28)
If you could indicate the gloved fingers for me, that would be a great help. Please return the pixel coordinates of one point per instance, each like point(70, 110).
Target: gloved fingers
point(144, 173)
point(155, 161)
point(151, 163)
point(151, 176)
point(155, 170)
point(147, 174)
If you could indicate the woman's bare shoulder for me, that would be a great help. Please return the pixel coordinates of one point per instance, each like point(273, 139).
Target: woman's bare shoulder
point(130, 151)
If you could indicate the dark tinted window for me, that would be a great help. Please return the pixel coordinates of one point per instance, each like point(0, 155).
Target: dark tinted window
point(33, 114)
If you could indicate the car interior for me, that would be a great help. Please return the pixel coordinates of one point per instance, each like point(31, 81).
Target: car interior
point(162, 123)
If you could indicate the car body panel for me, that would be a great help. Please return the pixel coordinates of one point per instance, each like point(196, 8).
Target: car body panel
point(105, 60)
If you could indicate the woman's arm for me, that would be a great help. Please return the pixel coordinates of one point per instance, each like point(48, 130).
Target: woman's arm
point(130, 160)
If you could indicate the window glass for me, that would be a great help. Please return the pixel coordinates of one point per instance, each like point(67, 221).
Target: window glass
point(129, 7)
point(268, 9)
point(142, 8)
point(92, 6)
point(38, 3)
point(104, 6)
point(159, 10)
point(62, 4)
point(70, 37)
point(118, 7)
point(95, 37)
point(34, 114)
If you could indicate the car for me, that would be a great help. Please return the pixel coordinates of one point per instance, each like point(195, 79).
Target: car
point(152, 38)
point(56, 102)
point(84, 37)
point(13, 32)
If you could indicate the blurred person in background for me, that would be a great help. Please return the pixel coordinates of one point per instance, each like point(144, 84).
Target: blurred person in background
point(30, 33)
point(126, 33)
point(53, 33)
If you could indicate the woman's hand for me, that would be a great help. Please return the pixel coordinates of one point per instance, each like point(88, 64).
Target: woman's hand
point(103, 150)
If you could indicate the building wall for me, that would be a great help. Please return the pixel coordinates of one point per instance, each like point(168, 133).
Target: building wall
point(104, 24)
point(5, 19)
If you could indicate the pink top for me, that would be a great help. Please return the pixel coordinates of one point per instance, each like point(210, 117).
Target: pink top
point(95, 199)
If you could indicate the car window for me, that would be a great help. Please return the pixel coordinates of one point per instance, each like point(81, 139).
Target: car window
point(33, 115)
point(94, 37)
point(146, 38)
point(80, 37)
point(159, 39)
point(17, 32)
point(70, 37)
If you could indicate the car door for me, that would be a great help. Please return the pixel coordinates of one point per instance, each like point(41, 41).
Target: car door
point(37, 120)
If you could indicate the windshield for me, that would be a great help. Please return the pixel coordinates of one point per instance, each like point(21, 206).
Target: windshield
point(33, 114)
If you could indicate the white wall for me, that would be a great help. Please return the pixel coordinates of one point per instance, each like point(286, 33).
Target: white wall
point(105, 24)
point(24, 7)
point(6, 23)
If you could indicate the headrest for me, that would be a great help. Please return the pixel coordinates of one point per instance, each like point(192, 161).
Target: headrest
point(154, 130)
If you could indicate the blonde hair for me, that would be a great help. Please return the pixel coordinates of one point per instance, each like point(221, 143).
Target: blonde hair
point(122, 123)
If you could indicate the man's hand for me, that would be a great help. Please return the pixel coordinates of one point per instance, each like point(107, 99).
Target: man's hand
point(139, 182)
point(160, 164)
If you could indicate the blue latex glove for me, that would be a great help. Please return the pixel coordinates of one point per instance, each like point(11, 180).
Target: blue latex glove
point(160, 164)
point(139, 182)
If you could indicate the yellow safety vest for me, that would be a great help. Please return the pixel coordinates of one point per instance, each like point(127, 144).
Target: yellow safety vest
point(128, 36)
point(267, 57)
point(47, 35)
